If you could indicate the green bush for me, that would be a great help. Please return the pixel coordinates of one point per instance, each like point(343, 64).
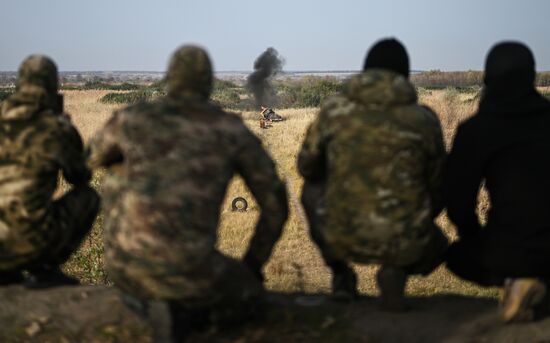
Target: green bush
point(158, 86)
point(4, 93)
point(108, 86)
point(129, 97)
point(221, 85)
point(226, 93)
point(226, 98)
point(543, 79)
point(307, 92)
point(100, 85)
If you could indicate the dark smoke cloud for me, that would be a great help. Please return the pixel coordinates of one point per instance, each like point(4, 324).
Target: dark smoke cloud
point(267, 65)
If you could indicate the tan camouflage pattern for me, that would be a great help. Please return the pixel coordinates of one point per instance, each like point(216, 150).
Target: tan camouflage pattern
point(37, 72)
point(169, 164)
point(380, 156)
point(36, 143)
point(189, 74)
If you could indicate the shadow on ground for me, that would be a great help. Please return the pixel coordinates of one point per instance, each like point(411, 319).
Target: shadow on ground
point(97, 314)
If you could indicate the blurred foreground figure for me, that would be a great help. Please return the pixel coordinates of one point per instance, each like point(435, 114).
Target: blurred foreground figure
point(372, 161)
point(37, 141)
point(169, 164)
point(506, 146)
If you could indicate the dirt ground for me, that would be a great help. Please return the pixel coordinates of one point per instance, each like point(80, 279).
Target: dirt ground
point(98, 314)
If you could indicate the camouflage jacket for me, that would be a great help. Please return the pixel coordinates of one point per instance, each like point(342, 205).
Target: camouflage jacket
point(36, 142)
point(380, 156)
point(169, 163)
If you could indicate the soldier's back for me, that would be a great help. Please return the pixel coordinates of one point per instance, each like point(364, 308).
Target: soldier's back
point(379, 146)
point(178, 160)
point(186, 148)
point(30, 147)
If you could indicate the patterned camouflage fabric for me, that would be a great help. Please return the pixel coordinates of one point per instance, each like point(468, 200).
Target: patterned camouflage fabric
point(379, 156)
point(36, 142)
point(169, 163)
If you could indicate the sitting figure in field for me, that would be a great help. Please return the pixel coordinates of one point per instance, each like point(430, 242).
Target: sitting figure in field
point(168, 166)
point(506, 147)
point(372, 163)
point(270, 115)
point(37, 141)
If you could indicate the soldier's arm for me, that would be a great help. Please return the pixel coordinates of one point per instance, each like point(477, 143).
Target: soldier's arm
point(259, 173)
point(72, 159)
point(104, 150)
point(312, 156)
point(463, 175)
point(435, 165)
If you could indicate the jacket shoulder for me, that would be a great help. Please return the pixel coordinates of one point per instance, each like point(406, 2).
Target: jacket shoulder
point(138, 108)
point(338, 106)
point(55, 121)
point(474, 124)
point(428, 115)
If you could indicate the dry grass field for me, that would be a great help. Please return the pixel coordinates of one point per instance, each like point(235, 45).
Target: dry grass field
point(295, 264)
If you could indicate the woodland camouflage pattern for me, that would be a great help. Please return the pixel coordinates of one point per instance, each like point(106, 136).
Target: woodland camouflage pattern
point(36, 142)
point(169, 163)
point(380, 156)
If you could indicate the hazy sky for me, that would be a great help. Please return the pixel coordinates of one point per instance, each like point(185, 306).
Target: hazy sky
point(311, 35)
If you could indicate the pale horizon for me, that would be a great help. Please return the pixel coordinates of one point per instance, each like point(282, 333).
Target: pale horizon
point(312, 35)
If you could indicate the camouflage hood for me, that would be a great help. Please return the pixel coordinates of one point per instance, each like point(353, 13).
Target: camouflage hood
point(189, 74)
point(24, 105)
point(36, 90)
point(380, 88)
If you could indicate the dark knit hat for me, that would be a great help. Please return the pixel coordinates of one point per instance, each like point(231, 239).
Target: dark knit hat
point(388, 54)
point(510, 64)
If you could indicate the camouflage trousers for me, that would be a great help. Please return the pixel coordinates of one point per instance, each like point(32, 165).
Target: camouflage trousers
point(69, 221)
point(312, 198)
point(220, 289)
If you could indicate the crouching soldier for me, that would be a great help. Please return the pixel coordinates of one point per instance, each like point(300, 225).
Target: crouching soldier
point(506, 147)
point(372, 164)
point(169, 164)
point(37, 141)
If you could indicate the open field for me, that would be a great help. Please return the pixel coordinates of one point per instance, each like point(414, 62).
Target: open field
point(295, 264)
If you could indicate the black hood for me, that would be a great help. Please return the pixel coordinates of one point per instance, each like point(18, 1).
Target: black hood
point(510, 82)
point(388, 54)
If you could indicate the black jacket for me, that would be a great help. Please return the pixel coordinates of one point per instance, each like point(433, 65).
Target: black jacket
point(508, 148)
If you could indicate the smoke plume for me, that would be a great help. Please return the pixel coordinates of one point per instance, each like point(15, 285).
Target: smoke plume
point(267, 65)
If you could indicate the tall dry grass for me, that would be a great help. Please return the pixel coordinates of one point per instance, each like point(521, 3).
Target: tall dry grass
point(296, 264)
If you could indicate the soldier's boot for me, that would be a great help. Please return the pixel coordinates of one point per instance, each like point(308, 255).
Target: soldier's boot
point(10, 277)
point(543, 309)
point(46, 276)
point(520, 299)
point(160, 316)
point(344, 282)
point(185, 321)
point(391, 283)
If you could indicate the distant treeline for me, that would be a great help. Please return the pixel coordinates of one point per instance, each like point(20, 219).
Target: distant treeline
point(306, 91)
point(103, 85)
point(459, 79)
point(310, 91)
